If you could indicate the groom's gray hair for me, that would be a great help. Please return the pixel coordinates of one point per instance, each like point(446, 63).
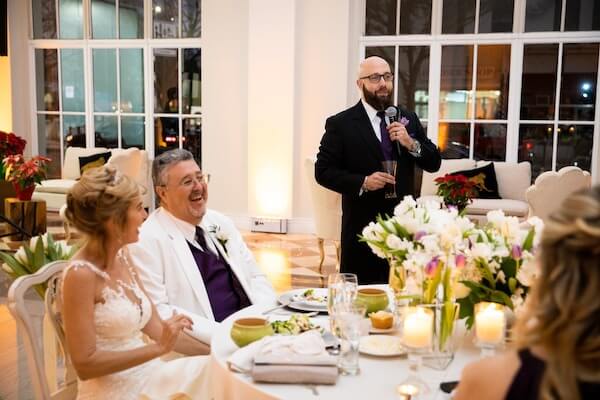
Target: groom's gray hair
point(164, 161)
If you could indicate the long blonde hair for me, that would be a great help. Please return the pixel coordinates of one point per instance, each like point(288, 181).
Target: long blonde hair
point(563, 309)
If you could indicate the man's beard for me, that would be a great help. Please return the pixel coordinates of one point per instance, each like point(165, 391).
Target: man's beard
point(377, 102)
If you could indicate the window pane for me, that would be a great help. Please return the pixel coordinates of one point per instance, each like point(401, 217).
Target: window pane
point(578, 84)
point(575, 143)
point(105, 80)
point(582, 15)
point(192, 137)
point(495, 16)
point(132, 80)
point(493, 70)
point(74, 130)
point(413, 79)
point(380, 17)
point(49, 142)
point(44, 19)
point(165, 18)
point(453, 140)
point(46, 78)
point(71, 64)
point(539, 81)
point(166, 134)
point(133, 132)
point(104, 19)
point(415, 16)
point(165, 81)
point(71, 19)
point(191, 89)
point(456, 82)
point(106, 131)
point(131, 19)
point(535, 146)
point(542, 15)
point(458, 16)
point(490, 142)
point(190, 18)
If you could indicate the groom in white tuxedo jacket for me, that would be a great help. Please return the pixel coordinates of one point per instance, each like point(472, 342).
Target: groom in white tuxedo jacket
point(193, 260)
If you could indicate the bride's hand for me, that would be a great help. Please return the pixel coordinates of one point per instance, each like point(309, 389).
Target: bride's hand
point(171, 329)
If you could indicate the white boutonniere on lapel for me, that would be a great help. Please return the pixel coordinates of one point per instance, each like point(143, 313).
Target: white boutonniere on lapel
point(221, 236)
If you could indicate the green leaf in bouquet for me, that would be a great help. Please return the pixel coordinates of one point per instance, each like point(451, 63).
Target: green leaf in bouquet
point(528, 242)
point(29, 255)
point(509, 266)
point(512, 284)
point(467, 310)
point(39, 258)
point(486, 273)
point(17, 267)
point(502, 298)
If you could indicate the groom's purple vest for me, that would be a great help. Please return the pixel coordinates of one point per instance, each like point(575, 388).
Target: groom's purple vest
point(225, 292)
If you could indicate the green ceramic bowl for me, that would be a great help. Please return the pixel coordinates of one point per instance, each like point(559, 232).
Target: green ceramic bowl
point(374, 299)
point(248, 330)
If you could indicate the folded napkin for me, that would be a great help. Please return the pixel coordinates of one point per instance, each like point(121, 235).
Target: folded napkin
point(287, 359)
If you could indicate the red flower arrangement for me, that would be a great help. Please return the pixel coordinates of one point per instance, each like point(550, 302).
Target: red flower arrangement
point(25, 174)
point(458, 190)
point(10, 144)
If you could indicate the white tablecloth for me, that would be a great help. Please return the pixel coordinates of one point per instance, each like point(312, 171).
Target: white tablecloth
point(378, 378)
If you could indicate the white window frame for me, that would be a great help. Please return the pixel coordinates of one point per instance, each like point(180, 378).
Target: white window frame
point(517, 39)
point(148, 44)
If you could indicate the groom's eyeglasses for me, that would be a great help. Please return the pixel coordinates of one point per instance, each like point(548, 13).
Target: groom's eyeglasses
point(375, 78)
point(190, 181)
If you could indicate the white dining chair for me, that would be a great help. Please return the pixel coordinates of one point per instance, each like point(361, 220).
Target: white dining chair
point(327, 207)
point(40, 326)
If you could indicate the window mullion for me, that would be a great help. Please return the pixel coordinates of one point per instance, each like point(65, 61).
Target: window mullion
point(435, 71)
point(557, 104)
point(474, 102)
point(514, 101)
point(118, 108)
point(595, 167)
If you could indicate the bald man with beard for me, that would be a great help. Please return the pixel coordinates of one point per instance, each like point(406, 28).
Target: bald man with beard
point(352, 149)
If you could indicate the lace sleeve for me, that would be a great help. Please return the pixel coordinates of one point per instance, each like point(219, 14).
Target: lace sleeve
point(76, 264)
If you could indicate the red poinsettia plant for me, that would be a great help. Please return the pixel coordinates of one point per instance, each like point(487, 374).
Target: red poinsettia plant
point(458, 190)
point(10, 144)
point(24, 174)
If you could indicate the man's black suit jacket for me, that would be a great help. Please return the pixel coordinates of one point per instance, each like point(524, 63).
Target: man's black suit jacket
point(350, 151)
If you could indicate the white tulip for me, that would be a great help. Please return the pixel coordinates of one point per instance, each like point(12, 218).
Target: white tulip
point(21, 256)
point(7, 269)
point(460, 290)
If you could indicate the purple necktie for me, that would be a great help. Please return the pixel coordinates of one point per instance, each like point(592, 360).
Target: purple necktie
point(386, 143)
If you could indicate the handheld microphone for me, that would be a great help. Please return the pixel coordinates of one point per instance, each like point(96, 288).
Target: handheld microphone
point(392, 113)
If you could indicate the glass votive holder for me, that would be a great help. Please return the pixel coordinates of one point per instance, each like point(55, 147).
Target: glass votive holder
point(490, 326)
point(417, 335)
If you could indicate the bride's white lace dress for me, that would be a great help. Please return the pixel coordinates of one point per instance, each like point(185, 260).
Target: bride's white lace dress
point(119, 322)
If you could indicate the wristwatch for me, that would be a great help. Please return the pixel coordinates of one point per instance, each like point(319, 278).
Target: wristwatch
point(416, 147)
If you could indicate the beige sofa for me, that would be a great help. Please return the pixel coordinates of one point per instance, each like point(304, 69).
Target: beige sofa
point(132, 162)
point(513, 180)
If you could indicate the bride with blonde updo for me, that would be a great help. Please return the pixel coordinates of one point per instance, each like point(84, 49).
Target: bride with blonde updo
point(106, 311)
point(558, 334)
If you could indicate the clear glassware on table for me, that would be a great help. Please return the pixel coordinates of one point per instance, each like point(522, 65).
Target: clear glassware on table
point(490, 327)
point(349, 319)
point(342, 289)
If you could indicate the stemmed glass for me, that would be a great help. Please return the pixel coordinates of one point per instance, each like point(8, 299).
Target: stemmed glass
point(389, 167)
point(342, 289)
point(417, 330)
point(490, 325)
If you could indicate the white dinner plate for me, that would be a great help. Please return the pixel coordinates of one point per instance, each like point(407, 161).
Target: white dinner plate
point(381, 346)
point(295, 300)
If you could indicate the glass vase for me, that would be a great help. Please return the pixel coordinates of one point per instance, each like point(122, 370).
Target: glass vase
point(397, 284)
point(445, 337)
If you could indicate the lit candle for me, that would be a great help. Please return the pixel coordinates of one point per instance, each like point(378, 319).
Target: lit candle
point(418, 328)
point(489, 323)
point(407, 391)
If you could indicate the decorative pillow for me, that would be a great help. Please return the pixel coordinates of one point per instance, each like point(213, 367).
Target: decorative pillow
point(93, 161)
point(490, 182)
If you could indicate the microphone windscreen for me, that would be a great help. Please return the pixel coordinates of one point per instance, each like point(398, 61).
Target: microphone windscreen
point(392, 113)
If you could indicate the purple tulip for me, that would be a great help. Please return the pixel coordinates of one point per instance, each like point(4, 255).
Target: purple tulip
point(404, 121)
point(419, 235)
point(431, 266)
point(460, 260)
point(516, 252)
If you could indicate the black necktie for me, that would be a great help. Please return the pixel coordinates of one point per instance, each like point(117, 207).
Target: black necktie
point(201, 240)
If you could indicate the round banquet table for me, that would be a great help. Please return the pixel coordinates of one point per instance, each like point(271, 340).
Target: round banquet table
point(378, 376)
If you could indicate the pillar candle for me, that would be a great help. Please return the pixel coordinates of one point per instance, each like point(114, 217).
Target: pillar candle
point(489, 324)
point(418, 328)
